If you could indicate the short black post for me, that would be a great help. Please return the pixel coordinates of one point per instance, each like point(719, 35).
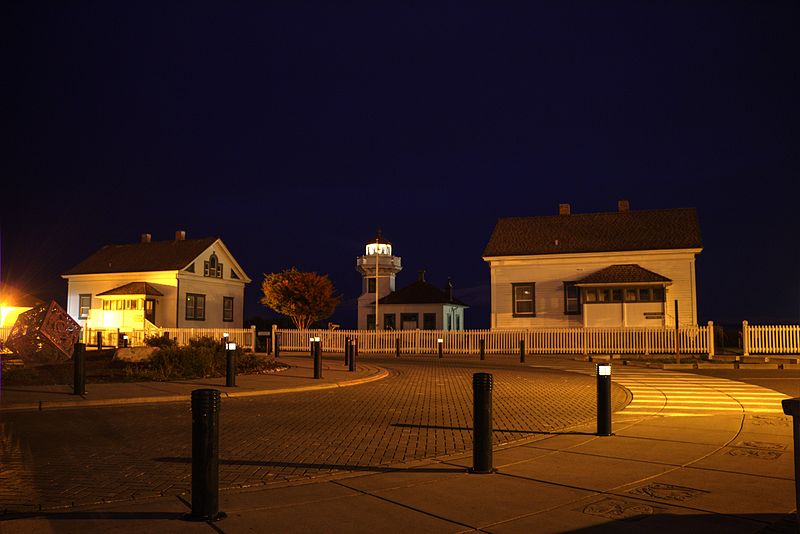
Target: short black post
point(277, 345)
point(205, 456)
point(604, 399)
point(317, 359)
point(119, 339)
point(482, 348)
point(79, 369)
point(353, 354)
point(125, 341)
point(397, 347)
point(440, 341)
point(792, 407)
point(230, 365)
point(482, 423)
point(346, 351)
point(99, 341)
point(521, 351)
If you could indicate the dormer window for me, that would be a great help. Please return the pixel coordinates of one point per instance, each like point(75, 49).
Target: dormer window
point(212, 267)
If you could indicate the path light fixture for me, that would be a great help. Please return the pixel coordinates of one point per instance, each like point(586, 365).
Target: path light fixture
point(604, 399)
point(440, 341)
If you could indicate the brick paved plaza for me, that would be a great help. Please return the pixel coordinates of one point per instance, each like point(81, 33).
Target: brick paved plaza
point(59, 458)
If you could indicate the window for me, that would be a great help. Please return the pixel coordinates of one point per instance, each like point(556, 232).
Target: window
point(524, 304)
point(623, 294)
point(212, 267)
point(389, 321)
point(449, 319)
point(190, 269)
point(195, 307)
point(644, 294)
point(227, 309)
point(429, 321)
point(84, 305)
point(409, 321)
point(370, 321)
point(658, 294)
point(458, 322)
point(370, 285)
point(572, 299)
point(234, 276)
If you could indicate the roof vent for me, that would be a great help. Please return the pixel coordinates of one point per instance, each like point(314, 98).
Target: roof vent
point(421, 275)
point(623, 205)
point(563, 209)
point(146, 238)
point(180, 235)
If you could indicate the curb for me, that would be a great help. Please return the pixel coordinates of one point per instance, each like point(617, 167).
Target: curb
point(42, 405)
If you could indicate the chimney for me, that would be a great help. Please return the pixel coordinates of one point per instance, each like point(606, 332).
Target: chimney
point(623, 205)
point(146, 238)
point(448, 289)
point(421, 275)
point(180, 235)
point(563, 209)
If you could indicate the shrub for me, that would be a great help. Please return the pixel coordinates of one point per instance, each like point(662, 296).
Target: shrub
point(160, 342)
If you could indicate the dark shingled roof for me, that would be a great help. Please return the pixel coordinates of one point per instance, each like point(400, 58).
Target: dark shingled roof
point(623, 274)
point(138, 257)
point(133, 288)
point(595, 232)
point(419, 292)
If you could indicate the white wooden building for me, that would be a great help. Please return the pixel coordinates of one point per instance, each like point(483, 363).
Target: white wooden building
point(180, 283)
point(623, 268)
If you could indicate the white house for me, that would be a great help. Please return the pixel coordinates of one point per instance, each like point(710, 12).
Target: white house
point(418, 305)
point(623, 268)
point(178, 283)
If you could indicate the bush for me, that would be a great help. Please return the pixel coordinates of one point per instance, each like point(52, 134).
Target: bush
point(203, 358)
point(160, 342)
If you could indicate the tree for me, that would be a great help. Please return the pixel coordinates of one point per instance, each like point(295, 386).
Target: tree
point(304, 297)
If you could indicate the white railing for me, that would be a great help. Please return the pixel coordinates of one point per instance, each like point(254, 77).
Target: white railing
point(243, 337)
point(691, 340)
point(4, 331)
point(770, 339)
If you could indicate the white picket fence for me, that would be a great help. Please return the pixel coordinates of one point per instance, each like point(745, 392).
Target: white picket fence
point(770, 339)
point(243, 337)
point(691, 340)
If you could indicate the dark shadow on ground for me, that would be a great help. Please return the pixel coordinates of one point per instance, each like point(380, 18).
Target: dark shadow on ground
point(510, 431)
point(321, 466)
point(667, 523)
point(96, 516)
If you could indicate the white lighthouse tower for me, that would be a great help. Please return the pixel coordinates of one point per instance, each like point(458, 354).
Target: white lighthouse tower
point(378, 268)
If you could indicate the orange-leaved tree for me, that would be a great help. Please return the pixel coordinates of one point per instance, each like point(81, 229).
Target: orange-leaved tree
point(304, 297)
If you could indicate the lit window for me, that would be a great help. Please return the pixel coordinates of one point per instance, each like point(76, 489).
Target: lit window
point(630, 295)
point(524, 301)
point(84, 305)
point(227, 309)
point(195, 307)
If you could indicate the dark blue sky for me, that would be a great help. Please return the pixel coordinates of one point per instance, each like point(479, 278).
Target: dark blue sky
point(295, 129)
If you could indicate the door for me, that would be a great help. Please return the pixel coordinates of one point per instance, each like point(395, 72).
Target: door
point(150, 310)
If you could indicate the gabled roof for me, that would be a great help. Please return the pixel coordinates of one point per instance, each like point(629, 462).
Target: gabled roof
point(142, 257)
point(133, 288)
point(595, 232)
point(624, 274)
point(420, 292)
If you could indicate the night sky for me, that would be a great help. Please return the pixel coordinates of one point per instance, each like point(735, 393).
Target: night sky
point(293, 130)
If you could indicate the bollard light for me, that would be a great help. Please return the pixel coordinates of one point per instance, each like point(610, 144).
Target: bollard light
point(125, 341)
point(440, 341)
point(482, 423)
point(230, 365)
point(792, 407)
point(604, 399)
point(205, 456)
point(315, 354)
point(79, 369)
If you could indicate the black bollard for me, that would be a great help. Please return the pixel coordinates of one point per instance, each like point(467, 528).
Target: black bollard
point(482, 348)
point(277, 345)
point(604, 399)
point(440, 341)
point(99, 341)
point(205, 456)
point(482, 423)
point(346, 351)
point(79, 369)
point(125, 342)
point(119, 339)
point(317, 358)
point(521, 351)
point(792, 407)
point(397, 348)
point(353, 354)
point(230, 365)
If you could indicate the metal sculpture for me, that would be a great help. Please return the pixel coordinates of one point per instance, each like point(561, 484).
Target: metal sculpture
point(44, 334)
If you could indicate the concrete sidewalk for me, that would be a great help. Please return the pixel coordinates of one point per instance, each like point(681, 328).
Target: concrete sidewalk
point(721, 472)
point(299, 377)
